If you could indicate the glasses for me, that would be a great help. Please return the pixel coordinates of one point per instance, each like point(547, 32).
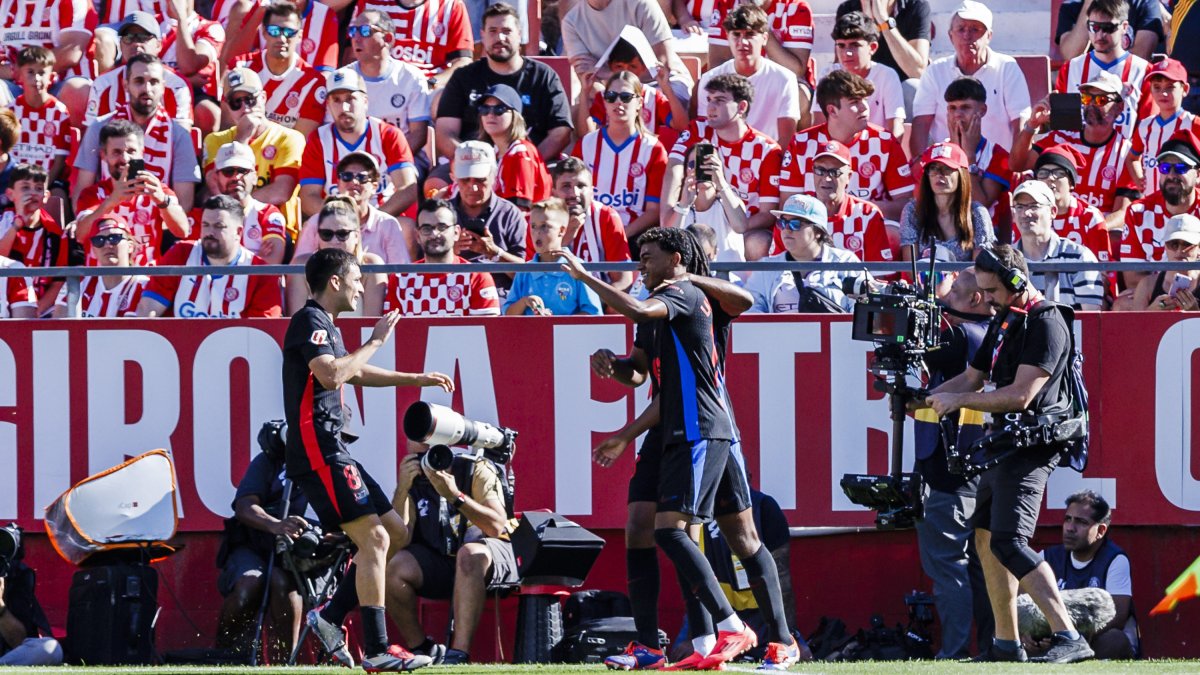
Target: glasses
point(1103, 27)
point(1166, 168)
point(360, 177)
point(102, 240)
point(233, 171)
point(362, 31)
point(622, 96)
point(497, 110)
point(829, 173)
point(792, 224)
point(277, 31)
point(430, 229)
point(328, 235)
point(1051, 174)
point(136, 38)
point(1031, 206)
point(236, 104)
point(1097, 99)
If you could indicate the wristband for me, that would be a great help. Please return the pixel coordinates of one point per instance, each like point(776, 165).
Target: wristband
point(460, 500)
point(58, 184)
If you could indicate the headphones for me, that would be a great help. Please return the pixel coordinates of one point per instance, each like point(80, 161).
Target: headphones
point(1012, 278)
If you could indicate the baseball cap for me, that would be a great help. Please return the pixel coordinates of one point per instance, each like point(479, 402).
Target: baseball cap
point(1168, 68)
point(1063, 156)
point(345, 79)
point(474, 159)
point(975, 11)
point(1040, 192)
point(835, 150)
point(143, 20)
point(945, 153)
point(364, 158)
point(807, 207)
point(1182, 144)
point(1183, 227)
point(113, 222)
point(242, 79)
point(235, 155)
point(506, 95)
point(1106, 82)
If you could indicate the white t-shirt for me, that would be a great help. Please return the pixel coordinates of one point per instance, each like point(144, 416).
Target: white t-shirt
point(776, 95)
point(1118, 582)
point(399, 96)
point(1007, 96)
point(888, 100)
point(731, 246)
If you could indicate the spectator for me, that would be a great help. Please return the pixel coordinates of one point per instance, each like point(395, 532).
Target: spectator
point(788, 42)
point(1179, 193)
point(805, 228)
point(64, 28)
point(1140, 34)
point(855, 43)
point(1087, 558)
point(1166, 82)
point(277, 149)
point(1058, 167)
point(521, 177)
point(1107, 185)
point(594, 231)
point(191, 45)
point(879, 171)
point(294, 90)
point(1034, 210)
point(751, 159)
point(138, 33)
point(353, 130)
point(1159, 292)
point(470, 502)
point(438, 293)
point(140, 200)
point(166, 146)
point(712, 203)
point(45, 121)
point(778, 107)
point(906, 28)
point(943, 214)
point(264, 231)
point(549, 293)
point(492, 228)
point(966, 106)
point(31, 235)
point(626, 161)
point(382, 234)
point(10, 135)
point(663, 111)
point(855, 225)
point(114, 295)
point(437, 53)
point(22, 621)
point(229, 296)
point(397, 92)
point(971, 33)
point(17, 297)
point(1107, 21)
point(319, 35)
point(544, 104)
point(338, 225)
point(475, 11)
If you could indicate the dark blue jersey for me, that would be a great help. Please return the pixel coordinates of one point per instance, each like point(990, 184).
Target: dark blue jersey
point(314, 414)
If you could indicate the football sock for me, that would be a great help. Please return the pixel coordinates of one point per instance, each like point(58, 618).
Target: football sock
point(704, 644)
point(699, 622)
point(691, 564)
point(641, 565)
point(375, 640)
point(1068, 634)
point(731, 624)
point(1006, 646)
point(344, 599)
point(764, 584)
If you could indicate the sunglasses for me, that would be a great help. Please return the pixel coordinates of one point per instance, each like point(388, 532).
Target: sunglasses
point(102, 240)
point(236, 104)
point(1178, 245)
point(277, 31)
point(136, 38)
point(1103, 26)
point(1166, 168)
point(362, 31)
point(792, 224)
point(328, 235)
point(1097, 99)
point(360, 177)
point(233, 172)
point(497, 110)
point(829, 173)
point(622, 96)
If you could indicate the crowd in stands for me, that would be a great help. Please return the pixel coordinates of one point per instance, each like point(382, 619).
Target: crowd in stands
point(249, 132)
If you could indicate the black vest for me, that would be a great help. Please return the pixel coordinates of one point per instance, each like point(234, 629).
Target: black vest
point(439, 524)
point(1094, 575)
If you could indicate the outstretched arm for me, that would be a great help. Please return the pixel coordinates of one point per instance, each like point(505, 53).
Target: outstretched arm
point(733, 299)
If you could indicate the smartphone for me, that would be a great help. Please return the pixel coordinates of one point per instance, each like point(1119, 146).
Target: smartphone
point(136, 166)
point(703, 152)
point(1182, 283)
point(1066, 112)
point(474, 225)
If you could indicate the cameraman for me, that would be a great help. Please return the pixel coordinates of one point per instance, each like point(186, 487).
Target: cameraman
point(458, 548)
point(1026, 354)
point(248, 544)
point(22, 619)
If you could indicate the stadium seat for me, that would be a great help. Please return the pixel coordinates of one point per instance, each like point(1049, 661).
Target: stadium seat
point(562, 66)
point(1037, 75)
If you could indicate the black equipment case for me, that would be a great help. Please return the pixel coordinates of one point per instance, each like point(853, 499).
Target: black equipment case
point(111, 615)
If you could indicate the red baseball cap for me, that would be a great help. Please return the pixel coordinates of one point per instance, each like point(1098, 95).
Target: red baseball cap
point(1064, 156)
point(1169, 68)
point(945, 153)
point(835, 150)
point(113, 222)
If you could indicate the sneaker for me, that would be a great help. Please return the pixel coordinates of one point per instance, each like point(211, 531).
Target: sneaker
point(780, 656)
point(730, 645)
point(455, 657)
point(436, 651)
point(637, 657)
point(1066, 650)
point(396, 659)
point(993, 655)
point(691, 662)
point(333, 640)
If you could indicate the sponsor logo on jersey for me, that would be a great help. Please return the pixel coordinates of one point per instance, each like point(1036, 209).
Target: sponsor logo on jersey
point(620, 199)
point(413, 53)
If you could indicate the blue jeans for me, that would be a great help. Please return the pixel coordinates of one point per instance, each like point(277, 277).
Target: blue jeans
point(948, 558)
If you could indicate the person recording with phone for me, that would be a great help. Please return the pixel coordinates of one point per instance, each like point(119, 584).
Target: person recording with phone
point(707, 198)
point(22, 621)
point(1170, 290)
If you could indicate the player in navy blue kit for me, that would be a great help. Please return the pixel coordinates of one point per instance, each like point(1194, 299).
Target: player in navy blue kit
point(700, 475)
point(343, 494)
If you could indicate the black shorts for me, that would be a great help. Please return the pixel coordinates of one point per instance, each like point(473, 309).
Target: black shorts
point(703, 479)
point(643, 487)
point(1009, 497)
point(341, 492)
point(437, 570)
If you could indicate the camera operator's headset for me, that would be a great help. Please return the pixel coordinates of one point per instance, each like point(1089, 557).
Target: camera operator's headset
point(1012, 278)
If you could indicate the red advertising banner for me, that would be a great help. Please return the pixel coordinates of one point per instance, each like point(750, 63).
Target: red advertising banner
point(77, 397)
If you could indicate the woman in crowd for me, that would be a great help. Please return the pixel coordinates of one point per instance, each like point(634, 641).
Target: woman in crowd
point(1170, 290)
point(712, 202)
point(522, 177)
point(338, 226)
point(943, 214)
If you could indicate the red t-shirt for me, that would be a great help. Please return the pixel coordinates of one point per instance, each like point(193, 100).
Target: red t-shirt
point(1145, 227)
point(141, 213)
point(857, 227)
point(42, 247)
point(429, 35)
point(752, 162)
point(791, 21)
point(325, 148)
point(45, 132)
point(298, 94)
point(626, 177)
point(1103, 175)
point(318, 33)
point(522, 177)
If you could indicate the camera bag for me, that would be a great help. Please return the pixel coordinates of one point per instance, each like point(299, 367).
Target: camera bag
point(551, 549)
point(595, 640)
point(583, 606)
point(111, 614)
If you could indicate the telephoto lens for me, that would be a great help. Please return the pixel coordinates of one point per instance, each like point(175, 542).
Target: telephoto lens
point(438, 458)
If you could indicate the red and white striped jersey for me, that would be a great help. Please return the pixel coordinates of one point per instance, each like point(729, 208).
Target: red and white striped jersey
point(791, 21)
point(299, 93)
point(857, 227)
point(201, 30)
point(14, 291)
point(702, 11)
point(601, 238)
point(325, 148)
point(428, 35)
point(45, 132)
point(101, 302)
point(1103, 174)
point(44, 246)
point(456, 294)
point(878, 167)
point(318, 31)
point(224, 296)
point(656, 110)
point(262, 222)
point(108, 94)
point(1130, 68)
point(1148, 139)
point(752, 162)
point(40, 23)
point(115, 11)
point(142, 215)
point(1082, 224)
point(1145, 227)
point(521, 175)
point(625, 177)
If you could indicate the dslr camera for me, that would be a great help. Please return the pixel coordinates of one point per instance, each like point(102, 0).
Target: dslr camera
point(440, 427)
point(10, 548)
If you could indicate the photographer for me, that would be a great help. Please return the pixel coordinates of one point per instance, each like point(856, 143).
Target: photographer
point(1026, 354)
point(22, 621)
point(458, 526)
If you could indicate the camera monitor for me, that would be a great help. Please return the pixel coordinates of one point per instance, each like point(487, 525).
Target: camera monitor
point(875, 322)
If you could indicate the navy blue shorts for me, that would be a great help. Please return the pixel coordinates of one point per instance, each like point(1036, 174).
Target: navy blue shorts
point(703, 479)
point(341, 492)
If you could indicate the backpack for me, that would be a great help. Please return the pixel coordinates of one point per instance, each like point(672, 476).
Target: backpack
point(1075, 449)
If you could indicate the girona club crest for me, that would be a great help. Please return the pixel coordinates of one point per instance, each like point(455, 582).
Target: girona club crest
point(866, 169)
point(636, 170)
point(231, 294)
point(455, 293)
point(746, 174)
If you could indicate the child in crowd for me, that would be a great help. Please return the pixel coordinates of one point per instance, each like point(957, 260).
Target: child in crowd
point(549, 293)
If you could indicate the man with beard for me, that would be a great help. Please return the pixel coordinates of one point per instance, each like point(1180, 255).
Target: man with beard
point(546, 109)
point(226, 296)
point(1145, 219)
point(139, 33)
point(264, 230)
point(594, 231)
point(166, 145)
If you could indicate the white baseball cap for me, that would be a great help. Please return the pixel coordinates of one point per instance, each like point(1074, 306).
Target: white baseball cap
point(1183, 227)
point(975, 11)
point(474, 159)
point(235, 154)
point(1037, 189)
